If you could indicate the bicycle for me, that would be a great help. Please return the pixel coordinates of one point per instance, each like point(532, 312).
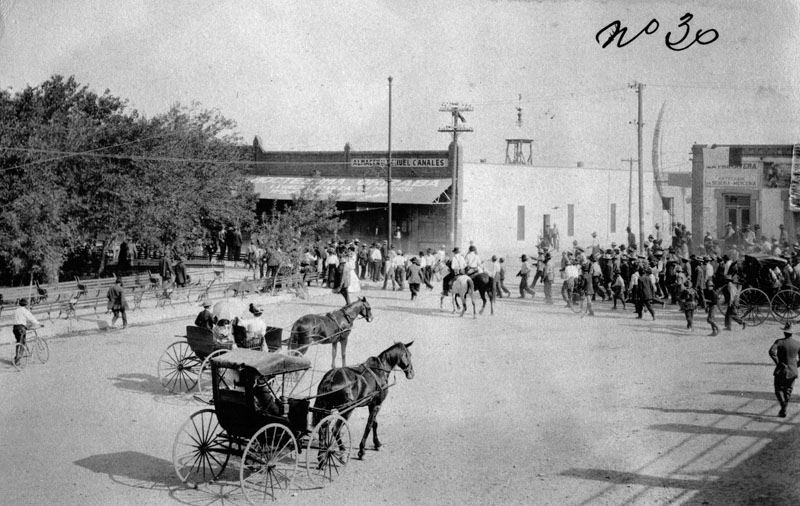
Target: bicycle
point(34, 345)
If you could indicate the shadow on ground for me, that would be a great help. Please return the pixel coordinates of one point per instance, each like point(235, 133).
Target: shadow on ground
point(133, 469)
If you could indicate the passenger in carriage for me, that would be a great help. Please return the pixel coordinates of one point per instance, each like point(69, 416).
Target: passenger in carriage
point(266, 404)
point(223, 332)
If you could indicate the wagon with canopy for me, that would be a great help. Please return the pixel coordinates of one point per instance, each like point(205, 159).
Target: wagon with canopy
point(761, 295)
point(257, 420)
point(184, 365)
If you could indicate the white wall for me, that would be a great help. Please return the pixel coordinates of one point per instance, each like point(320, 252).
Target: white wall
point(493, 192)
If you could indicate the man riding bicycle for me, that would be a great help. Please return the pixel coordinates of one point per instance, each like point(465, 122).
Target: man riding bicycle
point(23, 320)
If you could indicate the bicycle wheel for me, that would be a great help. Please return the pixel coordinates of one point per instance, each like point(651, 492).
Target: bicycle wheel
point(41, 350)
point(21, 353)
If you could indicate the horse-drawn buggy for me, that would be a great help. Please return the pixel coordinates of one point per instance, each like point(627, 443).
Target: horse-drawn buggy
point(259, 419)
point(763, 293)
point(184, 365)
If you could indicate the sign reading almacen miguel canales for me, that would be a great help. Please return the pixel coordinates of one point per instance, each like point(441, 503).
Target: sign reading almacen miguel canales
point(399, 162)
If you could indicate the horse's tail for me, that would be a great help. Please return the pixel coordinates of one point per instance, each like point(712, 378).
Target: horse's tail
point(470, 285)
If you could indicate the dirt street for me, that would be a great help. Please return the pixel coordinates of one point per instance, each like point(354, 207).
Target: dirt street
point(533, 405)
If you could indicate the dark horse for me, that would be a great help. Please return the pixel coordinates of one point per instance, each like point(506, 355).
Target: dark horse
point(366, 384)
point(331, 328)
point(484, 284)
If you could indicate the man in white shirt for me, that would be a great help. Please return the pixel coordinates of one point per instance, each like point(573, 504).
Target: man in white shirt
point(23, 320)
point(472, 261)
point(458, 263)
point(399, 266)
point(375, 262)
point(331, 264)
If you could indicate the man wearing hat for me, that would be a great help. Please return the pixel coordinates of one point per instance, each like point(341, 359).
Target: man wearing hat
point(23, 320)
point(205, 319)
point(524, 271)
point(117, 303)
point(785, 353)
point(711, 301)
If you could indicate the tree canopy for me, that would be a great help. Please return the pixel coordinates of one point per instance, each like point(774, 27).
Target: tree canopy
point(80, 167)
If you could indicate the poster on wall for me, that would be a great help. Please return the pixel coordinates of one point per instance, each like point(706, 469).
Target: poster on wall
point(777, 175)
point(794, 187)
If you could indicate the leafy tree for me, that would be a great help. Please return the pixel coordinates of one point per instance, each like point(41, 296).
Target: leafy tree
point(130, 177)
point(308, 217)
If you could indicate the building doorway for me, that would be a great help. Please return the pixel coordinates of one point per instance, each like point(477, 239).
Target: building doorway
point(736, 210)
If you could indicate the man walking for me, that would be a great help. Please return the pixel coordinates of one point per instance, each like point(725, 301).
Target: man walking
point(117, 303)
point(712, 301)
point(523, 273)
point(786, 355)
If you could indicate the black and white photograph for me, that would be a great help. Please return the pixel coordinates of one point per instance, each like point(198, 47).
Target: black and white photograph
point(483, 252)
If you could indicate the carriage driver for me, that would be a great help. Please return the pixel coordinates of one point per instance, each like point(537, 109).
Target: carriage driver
point(473, 261)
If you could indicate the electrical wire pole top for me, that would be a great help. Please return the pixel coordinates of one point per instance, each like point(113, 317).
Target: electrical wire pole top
point(455, 109)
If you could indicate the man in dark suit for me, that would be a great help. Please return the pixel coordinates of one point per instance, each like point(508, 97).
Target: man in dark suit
point(786, 355)
point(205, 319)
point(117, 303)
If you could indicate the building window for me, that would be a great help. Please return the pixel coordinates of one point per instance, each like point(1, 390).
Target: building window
point(570, 220)
point(520, 223)
point(613, 218)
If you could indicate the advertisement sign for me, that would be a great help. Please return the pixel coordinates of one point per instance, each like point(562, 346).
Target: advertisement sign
point(777, 175)
point(731, 177)
point(398, 162)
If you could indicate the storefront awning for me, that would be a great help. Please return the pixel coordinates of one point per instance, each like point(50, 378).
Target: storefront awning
point(404, 191)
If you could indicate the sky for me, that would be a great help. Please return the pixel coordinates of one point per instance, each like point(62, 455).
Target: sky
point(313, 75)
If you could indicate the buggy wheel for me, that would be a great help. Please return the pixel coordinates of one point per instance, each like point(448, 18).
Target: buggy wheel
point(755, 306)
point(786, 306)
point(328, 450)
point(269, 463)
point(41, 350)
point(201, 449)
point(204, 376)
point(22, 353)
point(178, 367)
point(576, 302)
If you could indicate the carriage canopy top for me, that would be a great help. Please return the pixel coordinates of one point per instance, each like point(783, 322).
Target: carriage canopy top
point(267, 364)
point(769, 261)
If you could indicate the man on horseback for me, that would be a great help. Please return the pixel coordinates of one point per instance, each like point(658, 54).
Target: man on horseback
point(457, 265)
point(473, 261)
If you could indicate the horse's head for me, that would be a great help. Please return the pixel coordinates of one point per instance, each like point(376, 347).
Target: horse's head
point(366, 310)
point(399, 356)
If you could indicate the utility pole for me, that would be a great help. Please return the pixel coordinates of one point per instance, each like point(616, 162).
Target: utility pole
point(455, 109)
point(389, 175)
point(640, 125)
point(630, 187)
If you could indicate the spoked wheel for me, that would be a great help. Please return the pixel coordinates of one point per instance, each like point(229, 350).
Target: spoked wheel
point(786, 306)
point(22, 353)
point(755, 306)
point(41, 350)
point(328, 450)
point(204, 376)
point(269, 463)
point(178, 367)
point(201, 449)
point(576, 302)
